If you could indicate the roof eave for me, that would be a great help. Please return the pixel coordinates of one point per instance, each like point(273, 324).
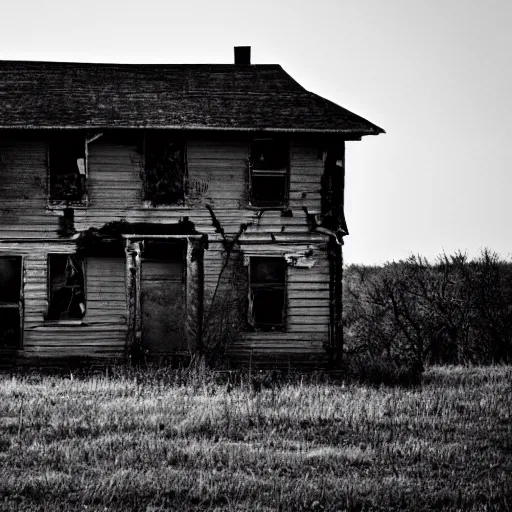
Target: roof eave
point(352, 132)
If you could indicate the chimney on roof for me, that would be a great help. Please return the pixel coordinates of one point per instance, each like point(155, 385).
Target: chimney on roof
point(243, 55)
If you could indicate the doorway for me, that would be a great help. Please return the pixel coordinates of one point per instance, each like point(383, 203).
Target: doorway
point(162, 294)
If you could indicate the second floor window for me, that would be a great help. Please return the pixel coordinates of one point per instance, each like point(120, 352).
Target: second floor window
point(164, 170)
point(67, 171)
point(269, 173)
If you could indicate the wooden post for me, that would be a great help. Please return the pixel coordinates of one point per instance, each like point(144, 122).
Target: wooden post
point(335, 302)
point(339, 304)
point(138, 306)
point(194, 295)
point(130, 298)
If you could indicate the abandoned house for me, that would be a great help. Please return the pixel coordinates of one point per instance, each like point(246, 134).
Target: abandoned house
point(160, 210)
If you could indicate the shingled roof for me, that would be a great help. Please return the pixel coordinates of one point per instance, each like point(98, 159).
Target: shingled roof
point(177, 96)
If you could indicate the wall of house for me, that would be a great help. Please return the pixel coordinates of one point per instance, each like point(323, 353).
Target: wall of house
point(101, 332)
point(217, 176)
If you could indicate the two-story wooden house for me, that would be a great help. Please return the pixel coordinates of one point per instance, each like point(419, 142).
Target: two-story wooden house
point(170, 208)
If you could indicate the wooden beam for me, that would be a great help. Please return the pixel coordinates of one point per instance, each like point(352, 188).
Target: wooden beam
point(195, 295)
point(130, 299)
point(137, 246)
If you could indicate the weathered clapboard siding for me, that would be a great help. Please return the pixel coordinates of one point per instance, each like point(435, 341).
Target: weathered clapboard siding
point(102, 331)
point(217, 173)
point(23, 175)
point(307, 329)
point(306, 169)
point(307, 303)
point(114, 179)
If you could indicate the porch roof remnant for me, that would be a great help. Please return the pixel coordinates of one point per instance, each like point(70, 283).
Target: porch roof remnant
point(261, 97)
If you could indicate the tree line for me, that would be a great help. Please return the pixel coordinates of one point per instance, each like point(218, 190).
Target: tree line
point(416, 312)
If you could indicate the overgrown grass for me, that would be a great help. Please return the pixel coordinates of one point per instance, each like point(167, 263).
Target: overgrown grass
point(168, 441)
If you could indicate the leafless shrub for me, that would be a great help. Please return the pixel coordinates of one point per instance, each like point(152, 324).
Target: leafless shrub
point(414, 312)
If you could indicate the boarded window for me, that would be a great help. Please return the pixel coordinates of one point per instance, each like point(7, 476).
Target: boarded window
point(269, 173)
point(67, 175)
point(66, 299)
point(10, 301)
point(267, 293)
point(165, 170)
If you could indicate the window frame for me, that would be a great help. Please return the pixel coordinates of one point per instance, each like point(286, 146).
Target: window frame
point(64, 321)
point(250, 311)
point(20, 305)
point(283, 171)
point(147, 202)
point(54, 203)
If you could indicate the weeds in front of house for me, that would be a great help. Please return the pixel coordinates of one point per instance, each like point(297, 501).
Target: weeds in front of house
point(196, 440)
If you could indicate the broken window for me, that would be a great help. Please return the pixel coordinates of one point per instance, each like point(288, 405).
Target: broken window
point(66, 295)
point(165, 170)
point(269, 172)
point(67, 175)
point(267, 293)
point(10, 301)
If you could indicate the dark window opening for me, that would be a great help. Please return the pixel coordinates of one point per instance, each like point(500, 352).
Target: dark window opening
point(9, 327)
point(267, 293)
point(10, 301)
point(65, 287)
point(269, 173)
point(168, 250)
point(165, 170)
point(66, 159)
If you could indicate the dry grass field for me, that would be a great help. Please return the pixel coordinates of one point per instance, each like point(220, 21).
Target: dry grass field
point(156, 441)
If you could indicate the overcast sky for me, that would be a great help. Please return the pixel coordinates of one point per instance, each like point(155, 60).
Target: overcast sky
point(436, 75)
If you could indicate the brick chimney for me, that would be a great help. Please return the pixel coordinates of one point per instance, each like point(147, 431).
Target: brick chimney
point(243, 55)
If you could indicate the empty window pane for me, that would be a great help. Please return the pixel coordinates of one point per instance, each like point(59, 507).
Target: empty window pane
point(268, 190)
point(268, 306)
point(267, 270)
point(269, 154)
point(9, 327)
point(67, 167)
point(267, 277)
point(165, 170)
point(269, 172)
point(10, 278)
point(66, 287)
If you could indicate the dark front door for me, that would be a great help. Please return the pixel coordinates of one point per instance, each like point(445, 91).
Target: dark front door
point(163, 301)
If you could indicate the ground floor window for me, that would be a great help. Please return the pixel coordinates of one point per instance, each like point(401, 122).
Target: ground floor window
point(66, 292)
point(10, 301)
point(267, 282)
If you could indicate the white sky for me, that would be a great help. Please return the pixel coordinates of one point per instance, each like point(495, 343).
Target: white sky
point(436, 75)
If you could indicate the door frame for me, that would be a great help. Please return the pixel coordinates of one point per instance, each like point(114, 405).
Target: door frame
point(194, 288)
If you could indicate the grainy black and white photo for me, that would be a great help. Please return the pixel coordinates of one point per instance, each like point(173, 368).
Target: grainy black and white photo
point(254, 256)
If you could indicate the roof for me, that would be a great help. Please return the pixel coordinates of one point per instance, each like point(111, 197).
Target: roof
point(178, 96)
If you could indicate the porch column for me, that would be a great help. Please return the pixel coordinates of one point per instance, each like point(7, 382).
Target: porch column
point(138, 305)
point(195, 295)
point(130, 297)
point(133, 346)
